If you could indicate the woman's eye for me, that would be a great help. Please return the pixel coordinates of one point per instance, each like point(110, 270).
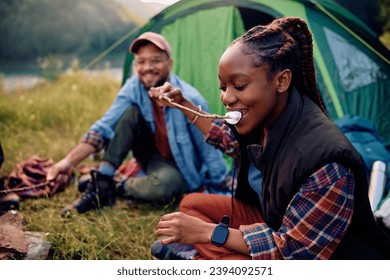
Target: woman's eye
point(240, 87)
point(221, 88)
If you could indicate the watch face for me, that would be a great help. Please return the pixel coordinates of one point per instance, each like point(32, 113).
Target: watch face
point(220, 235)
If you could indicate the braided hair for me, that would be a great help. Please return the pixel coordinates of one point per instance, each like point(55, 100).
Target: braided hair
point(285, 43)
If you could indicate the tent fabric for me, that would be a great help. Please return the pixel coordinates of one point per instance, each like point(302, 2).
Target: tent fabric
point(358, 77)
point(352, 65)
point(205, 43)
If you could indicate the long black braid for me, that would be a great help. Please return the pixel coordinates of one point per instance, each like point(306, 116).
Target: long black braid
point(285, 43)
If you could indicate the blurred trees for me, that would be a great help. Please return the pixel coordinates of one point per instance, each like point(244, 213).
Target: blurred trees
point(385, 14)
point(32, 28)
point(37, 28)
point(366, 10)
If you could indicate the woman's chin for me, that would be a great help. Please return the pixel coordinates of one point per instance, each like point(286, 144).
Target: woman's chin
point(242, 129)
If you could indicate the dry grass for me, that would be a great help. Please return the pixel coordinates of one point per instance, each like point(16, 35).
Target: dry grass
point(48, 120)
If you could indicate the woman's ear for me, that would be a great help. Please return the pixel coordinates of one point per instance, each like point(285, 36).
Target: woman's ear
point(283, 80)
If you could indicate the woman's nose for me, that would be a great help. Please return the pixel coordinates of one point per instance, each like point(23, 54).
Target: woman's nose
point(228, 99)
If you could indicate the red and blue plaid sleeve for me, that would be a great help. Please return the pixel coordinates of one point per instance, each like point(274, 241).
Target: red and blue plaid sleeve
point(221, 136)
point(314, 223)
point(94, 139)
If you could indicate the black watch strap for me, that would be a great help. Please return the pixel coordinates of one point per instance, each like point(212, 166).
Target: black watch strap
point(225, 220)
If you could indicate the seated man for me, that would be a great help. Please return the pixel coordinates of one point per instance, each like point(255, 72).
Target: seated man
point(170, 149)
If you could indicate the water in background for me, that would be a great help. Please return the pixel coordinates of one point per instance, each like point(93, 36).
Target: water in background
point(15, 81)
point(28, 74)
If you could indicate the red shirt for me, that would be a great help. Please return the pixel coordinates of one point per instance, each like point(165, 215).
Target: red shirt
point(161, 135)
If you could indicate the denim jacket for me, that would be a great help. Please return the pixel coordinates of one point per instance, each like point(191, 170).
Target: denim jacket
point(199, 162)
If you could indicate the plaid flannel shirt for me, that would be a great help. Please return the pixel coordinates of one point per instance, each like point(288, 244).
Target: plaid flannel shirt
point(94, 139)
point(315, 220)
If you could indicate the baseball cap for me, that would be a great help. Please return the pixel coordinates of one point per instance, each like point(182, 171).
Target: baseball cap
point(156, 39)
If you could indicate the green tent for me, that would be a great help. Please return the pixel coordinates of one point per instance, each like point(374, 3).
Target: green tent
point(352, 65)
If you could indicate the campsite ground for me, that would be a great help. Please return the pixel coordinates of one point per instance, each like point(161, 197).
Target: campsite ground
point(48, 120)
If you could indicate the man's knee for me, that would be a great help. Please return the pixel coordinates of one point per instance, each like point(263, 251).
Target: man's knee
point(154, 188)
point(131, 114)
point(163, 188)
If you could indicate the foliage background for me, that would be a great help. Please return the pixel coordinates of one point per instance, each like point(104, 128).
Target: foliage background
point(32, 28)
point(385, 17)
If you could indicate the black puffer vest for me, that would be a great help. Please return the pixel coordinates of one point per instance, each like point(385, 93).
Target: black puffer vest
point(302, 141)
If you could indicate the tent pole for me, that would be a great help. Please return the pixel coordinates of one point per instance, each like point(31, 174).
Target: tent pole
point(325, 11)
point(107, 51)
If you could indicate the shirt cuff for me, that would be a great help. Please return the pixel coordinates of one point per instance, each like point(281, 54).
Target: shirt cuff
point(259, 239)
point(94, 139)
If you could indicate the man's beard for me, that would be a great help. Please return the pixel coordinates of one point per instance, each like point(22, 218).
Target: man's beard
point(158, 83)
point(161, 81)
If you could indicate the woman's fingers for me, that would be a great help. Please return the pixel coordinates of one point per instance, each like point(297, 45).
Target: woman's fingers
point(169, 226)
point(170, 216)
point(169, 233)
point(165, 91)
point(161, 90)
point(170, 239)
point(165, 232)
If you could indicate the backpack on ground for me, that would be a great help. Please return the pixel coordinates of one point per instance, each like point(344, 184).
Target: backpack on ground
point(363, 136)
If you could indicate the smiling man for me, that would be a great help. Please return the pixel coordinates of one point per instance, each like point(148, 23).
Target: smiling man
point(170, 149)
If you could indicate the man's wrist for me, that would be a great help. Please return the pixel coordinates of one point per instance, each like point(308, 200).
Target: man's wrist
point(65, 165)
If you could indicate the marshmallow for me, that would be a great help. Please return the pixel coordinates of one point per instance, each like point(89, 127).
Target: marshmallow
point(233, 117)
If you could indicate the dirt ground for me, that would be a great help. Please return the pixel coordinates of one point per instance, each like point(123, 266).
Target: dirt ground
point(17, 244)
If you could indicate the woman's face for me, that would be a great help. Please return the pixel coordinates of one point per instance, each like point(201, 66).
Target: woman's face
point(245, 88)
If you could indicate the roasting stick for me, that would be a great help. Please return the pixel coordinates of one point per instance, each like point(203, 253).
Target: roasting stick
point(230, 117)
point(209, 116)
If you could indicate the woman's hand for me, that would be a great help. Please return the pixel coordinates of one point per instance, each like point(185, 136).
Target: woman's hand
point(181, 228)
point(166, 91)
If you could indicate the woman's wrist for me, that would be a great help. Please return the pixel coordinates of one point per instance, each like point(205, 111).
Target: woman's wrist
point(196, 116)
point(208, 230)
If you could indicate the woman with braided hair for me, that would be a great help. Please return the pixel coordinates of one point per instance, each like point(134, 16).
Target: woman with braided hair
point(311, 201)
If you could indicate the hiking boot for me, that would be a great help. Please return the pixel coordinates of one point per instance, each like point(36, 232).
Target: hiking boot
point(8, 199)
point(173, 251)
point(100, 192)
point(83, 182)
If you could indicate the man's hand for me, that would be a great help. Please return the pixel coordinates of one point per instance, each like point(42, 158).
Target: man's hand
point(60, 172)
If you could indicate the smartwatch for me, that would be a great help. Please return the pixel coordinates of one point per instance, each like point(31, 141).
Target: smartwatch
point(221, 232)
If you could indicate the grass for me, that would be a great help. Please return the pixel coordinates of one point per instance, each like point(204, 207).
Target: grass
point(48, 120)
